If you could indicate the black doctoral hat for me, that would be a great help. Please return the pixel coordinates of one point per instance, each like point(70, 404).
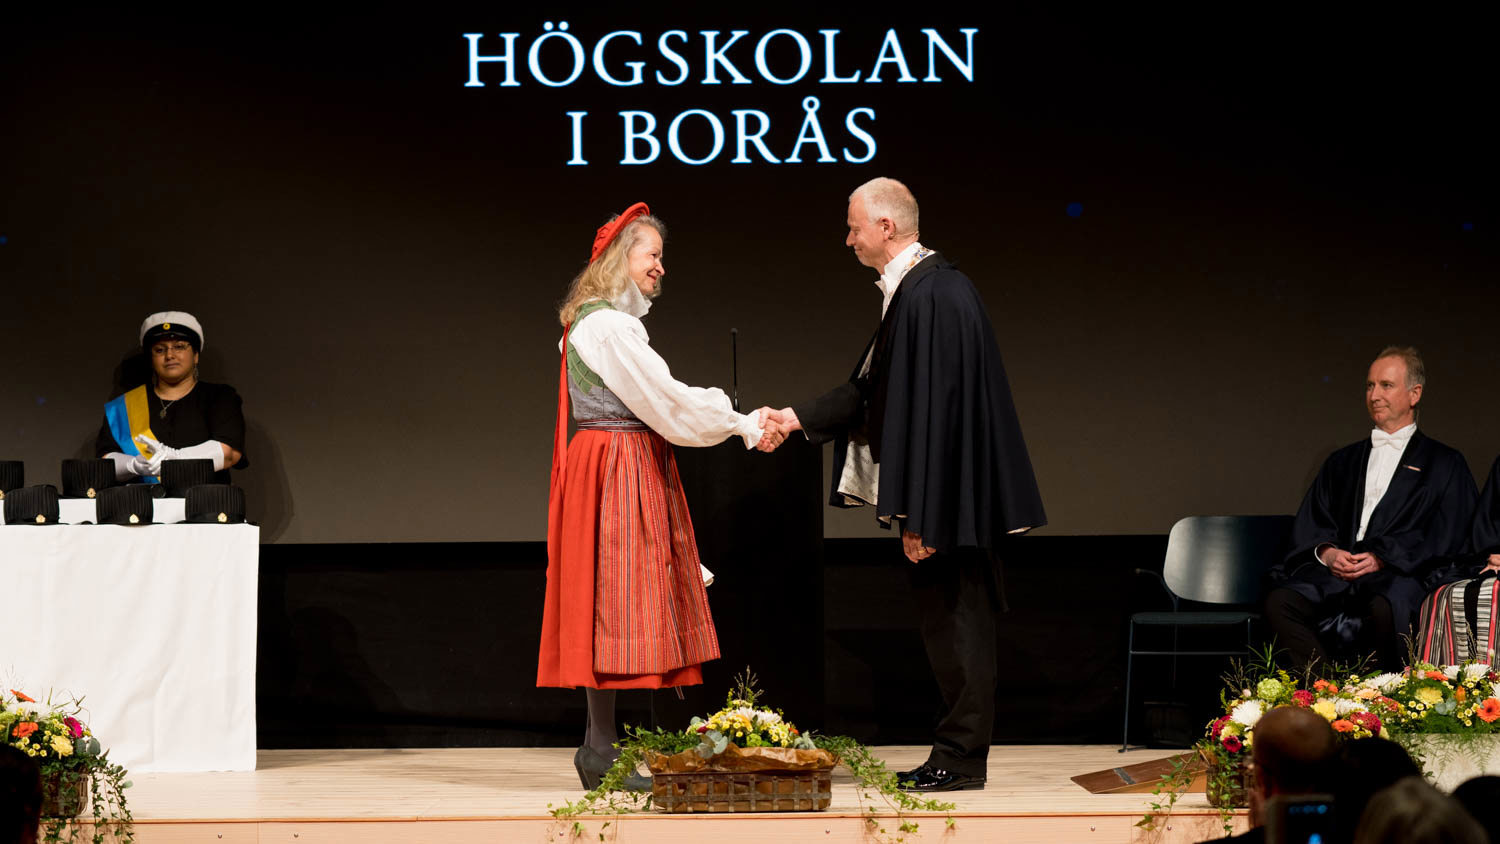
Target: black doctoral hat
point(179, 476)
point(214, 504)
point(124, 505)
point(32, 505)
point(85, 478)
point(12, 476)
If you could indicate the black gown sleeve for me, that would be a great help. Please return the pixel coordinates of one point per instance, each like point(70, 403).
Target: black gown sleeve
point(1484, 532)
point(225, 418)
point(1420, 543)
point(835, 412)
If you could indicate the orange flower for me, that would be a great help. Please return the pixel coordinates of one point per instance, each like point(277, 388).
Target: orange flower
point(1345, 726)
point(1459, 693)
point(22, 696)
point(1436, 675)
point(1489, 710)
point(26, 728)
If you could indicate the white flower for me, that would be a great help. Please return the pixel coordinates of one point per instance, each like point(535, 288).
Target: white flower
point(1474, 672)
point(1386, 682)
point(1344, 707)
point(1248, 713)
point(1451, 671)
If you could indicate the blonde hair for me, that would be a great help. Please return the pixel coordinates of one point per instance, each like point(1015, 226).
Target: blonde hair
point(886, 197)
point(607, 277)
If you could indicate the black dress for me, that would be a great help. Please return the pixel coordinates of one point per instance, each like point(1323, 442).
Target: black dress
point(208, 412)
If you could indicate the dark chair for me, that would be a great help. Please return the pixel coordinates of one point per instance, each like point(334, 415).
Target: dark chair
point(1210, 560)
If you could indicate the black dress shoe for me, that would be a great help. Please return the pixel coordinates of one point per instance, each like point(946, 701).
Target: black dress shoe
point(592, 766)
point(928, 778)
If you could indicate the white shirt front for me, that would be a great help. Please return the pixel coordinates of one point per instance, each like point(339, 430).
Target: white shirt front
point(895, 270)
point(614, 344)
point(1385, 455)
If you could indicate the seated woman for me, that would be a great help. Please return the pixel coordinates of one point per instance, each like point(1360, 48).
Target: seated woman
point(175, 416)
point(1484, 533)
point(1458, 620)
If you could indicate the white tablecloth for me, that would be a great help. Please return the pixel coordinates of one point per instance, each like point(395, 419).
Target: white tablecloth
point(154, 626)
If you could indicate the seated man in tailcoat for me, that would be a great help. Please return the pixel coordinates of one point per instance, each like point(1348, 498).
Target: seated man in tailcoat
point(1381, 514)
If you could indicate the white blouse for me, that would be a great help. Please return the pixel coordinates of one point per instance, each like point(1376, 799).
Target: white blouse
point(614, 344)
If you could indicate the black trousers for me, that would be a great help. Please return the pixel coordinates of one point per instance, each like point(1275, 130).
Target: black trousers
point(959, 595)
point(1294, 620)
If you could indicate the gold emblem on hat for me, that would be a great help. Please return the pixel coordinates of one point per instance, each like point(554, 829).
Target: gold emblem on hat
point(223, 518)
point(134, 519)
point(91, 492)
point(40, 519)
point(166, 326)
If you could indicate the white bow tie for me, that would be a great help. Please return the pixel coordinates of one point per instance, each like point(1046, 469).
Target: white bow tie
point(1379, 438)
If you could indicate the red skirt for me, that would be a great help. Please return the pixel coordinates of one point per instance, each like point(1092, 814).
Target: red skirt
point(625, 605)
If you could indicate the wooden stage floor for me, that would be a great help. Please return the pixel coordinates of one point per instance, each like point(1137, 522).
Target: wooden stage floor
point(501, 794)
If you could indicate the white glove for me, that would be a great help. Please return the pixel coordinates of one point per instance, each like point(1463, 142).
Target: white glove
point(128, 466)
point(206, 450)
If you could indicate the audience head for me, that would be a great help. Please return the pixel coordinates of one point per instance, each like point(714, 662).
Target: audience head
point(1366, 766)
point(1413, 812)
point(1293, 750)
point(20, 796)
point(1481, 797)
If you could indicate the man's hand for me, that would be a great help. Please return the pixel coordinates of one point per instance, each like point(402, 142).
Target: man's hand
point(1493, 564)
point(1347, 566)
point(915, 550)
point(772, 432)
point(785, 417)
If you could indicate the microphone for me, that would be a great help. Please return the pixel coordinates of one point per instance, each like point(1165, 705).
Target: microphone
point(734, 358)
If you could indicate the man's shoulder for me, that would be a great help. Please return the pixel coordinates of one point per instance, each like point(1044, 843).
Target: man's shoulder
point(1440, 452)
point(937, 278)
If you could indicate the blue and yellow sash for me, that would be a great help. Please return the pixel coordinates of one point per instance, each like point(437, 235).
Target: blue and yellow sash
point(129, 416)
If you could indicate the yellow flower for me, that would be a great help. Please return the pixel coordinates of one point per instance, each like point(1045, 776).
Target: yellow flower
point(62, 745)
point(1429, 695)
point(1326, 709)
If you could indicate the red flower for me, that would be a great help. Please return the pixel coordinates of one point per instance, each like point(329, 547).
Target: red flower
point(1368, 720)
point(1343, 726)
point(1302, 697)
point(74, 728)
point(1489, 710)
point(1233, 744)
point(1217, 727)
point(24, 729)
point(1436, 675)
point(703, 729)
point(22, 696)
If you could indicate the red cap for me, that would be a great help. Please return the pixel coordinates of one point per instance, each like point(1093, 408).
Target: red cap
point(611, 229)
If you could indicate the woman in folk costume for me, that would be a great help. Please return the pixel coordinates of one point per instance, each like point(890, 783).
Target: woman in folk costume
point(626, 606)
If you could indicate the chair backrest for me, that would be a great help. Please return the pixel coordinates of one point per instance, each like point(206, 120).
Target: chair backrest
point(1221, 559)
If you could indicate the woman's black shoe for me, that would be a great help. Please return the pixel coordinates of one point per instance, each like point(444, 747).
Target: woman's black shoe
point(592, 767)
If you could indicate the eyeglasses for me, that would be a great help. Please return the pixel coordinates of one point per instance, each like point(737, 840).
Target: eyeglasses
point(161, 349)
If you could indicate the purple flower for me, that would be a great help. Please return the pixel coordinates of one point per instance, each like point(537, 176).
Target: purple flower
point(75, 728)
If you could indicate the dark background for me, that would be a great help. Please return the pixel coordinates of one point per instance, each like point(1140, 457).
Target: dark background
point(1192, 229)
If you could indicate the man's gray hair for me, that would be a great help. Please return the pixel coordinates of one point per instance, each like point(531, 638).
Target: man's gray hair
point(889, 198)
point(1416, 370)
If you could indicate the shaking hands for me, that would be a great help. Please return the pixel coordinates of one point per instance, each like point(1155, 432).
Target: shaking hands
point(775, 425)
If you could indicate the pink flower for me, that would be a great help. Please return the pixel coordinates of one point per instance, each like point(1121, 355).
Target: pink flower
point(1218, 726)
point(74, 728)
point(1368, 720)
point(1303, 697)
point(1233, 744)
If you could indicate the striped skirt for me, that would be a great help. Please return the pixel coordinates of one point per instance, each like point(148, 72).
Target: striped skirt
point(1458, 622)
point(625, 604)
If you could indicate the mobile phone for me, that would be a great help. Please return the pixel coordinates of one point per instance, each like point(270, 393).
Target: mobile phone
point(1299, 819)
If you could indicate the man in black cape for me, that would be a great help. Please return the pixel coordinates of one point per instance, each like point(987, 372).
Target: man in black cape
point(1383, 516)
point(926, 431)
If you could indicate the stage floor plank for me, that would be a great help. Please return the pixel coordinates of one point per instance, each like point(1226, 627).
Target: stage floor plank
point(475, 794)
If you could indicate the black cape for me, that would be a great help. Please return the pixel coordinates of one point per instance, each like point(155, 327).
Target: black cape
point(1419, 527)
point(936, 410)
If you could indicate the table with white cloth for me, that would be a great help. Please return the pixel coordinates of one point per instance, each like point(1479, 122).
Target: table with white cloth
point(153, 625)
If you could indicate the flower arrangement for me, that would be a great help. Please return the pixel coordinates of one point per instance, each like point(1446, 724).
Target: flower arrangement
point(72, 762)
point(1422, 700)
point(744, 724)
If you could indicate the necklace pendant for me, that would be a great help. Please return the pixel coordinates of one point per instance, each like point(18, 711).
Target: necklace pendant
point(163, 413)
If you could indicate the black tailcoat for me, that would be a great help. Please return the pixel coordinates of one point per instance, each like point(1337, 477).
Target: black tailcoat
point(1420, 525)
point(936, 410)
